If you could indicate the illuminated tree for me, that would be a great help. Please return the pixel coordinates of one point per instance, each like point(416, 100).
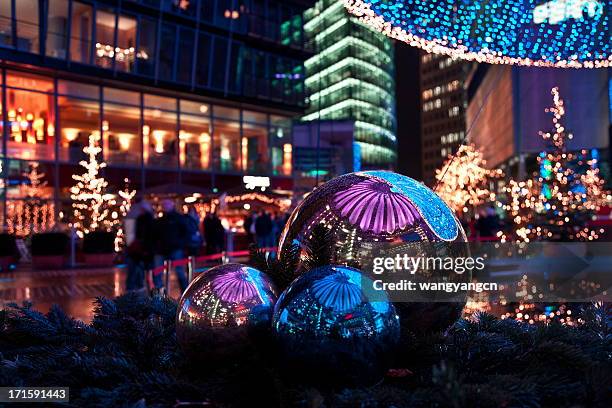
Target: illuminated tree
point(33, 213)
point(463, 181)
point(564, 195)
point(89, 208)
point(127, 196)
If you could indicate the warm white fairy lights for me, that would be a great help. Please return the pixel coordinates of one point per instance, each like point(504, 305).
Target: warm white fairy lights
point(89, 207)
point(563, 196)
point(495, 32)
point(463, 181)
point(33, 213)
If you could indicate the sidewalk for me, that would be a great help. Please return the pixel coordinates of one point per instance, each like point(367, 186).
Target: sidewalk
point(72, 289)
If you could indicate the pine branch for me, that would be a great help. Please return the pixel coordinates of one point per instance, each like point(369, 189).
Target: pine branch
point(129, 357)
point(319, 248)
point(258, 259)
point(282, 270)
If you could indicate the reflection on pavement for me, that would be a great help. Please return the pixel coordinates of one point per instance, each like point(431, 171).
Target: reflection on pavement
point(74, 290)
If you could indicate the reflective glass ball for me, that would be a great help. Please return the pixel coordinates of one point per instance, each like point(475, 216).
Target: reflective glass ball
point(330, 332)
point(223, 310)
point(385, 211)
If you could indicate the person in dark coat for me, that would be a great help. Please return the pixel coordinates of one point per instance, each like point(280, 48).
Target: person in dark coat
point(171, 236)
point(140, 249)
point(248, 223)
point(264, 230)
point(214, 233)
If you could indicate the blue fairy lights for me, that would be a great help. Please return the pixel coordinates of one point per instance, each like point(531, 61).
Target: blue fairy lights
point(548, 33)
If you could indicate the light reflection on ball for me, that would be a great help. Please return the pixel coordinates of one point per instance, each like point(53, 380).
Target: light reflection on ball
point(332, 331)
point(223, 309)
point(370, 210)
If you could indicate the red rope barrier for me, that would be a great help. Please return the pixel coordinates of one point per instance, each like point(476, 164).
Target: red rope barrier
point(185, 261)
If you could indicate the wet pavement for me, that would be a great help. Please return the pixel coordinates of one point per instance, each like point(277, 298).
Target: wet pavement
point(72, 289)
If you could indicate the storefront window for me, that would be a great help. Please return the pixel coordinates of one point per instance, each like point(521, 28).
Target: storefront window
point(30, 118)
point(121, 96)
point(78, 89)
point(195, 142)
point(227, 145)
point(196, 108)
point(281, 147)
point(29, 207)
point(80, 32)
point(159, 102)
point(254, 146)
point(122, 143)
point(6, 27)
point(57, 28)
point(254, 117)
point(159, 138)
point(226, 113)
point(79, 118)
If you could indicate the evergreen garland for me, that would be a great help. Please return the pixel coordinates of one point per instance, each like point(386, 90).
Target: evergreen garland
point(319, 247)
point(128, 357)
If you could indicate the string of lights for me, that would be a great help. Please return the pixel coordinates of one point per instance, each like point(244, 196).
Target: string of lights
point(558, 33)
point(562, 198)
point(463, 180)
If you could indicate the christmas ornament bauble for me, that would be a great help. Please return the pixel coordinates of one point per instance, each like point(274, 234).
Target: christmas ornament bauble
point(224, 310)
point(332, 332)
point(383, 211)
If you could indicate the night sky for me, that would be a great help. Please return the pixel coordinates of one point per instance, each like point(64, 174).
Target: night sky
point(408, 110)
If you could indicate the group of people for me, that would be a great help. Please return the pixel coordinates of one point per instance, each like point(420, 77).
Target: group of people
point(174, 235)
point(264, 228)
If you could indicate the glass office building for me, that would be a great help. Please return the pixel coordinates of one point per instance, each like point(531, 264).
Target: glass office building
point(179, 92)
point(351, 77)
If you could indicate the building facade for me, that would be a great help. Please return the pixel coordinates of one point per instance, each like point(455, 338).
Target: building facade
point(351, 77)
point(507, 111)
point(443, 104)
point(177, 92)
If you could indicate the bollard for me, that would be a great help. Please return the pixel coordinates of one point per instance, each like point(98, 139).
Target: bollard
point(73, 236)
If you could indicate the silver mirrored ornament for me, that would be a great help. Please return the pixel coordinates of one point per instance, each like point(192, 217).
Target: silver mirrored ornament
point(223, 311)
point(331, 332)
point(375, 213)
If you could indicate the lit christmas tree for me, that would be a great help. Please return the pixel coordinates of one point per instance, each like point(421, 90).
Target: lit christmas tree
point(127, 196)
point(33, 213)
point(564, 196)
point(89, 208)
point(463, 181)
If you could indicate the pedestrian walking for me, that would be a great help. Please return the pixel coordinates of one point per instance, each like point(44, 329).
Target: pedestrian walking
point(170, 240)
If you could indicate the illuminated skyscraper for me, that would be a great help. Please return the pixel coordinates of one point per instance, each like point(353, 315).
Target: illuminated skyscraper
point(443, 103)
point(351, 77)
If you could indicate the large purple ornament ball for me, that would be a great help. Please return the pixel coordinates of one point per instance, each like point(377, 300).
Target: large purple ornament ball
point(370, 210)
point(332, 332)
point(223, 311)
